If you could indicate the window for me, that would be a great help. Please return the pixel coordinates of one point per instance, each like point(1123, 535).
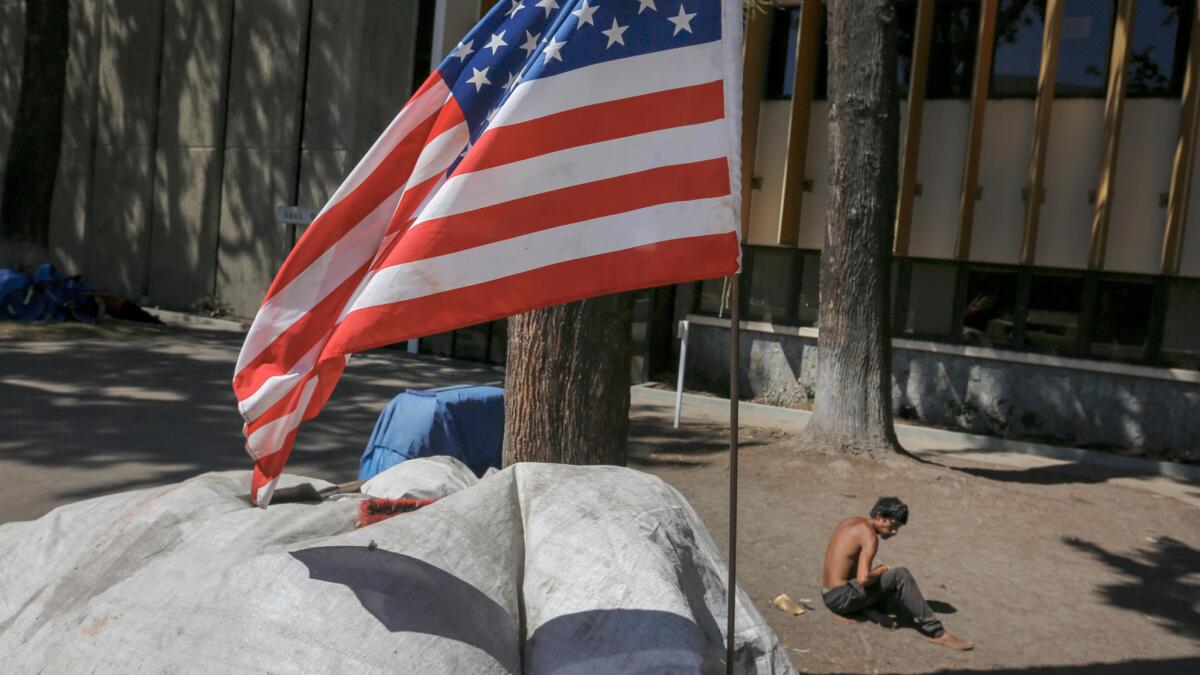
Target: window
point(1083, 51)
point(1121, 319)
point(1018, 49)
point(1052, 321)
point(1158, 50)
point(471, 343)
point(931, 299)
point(989, 316)
point(498, 348)
point(773, 276)
point(439, 345)
point(952, 50)
point(781, 51)
point(1181, 332)
point(710, 298)
point(810, 288)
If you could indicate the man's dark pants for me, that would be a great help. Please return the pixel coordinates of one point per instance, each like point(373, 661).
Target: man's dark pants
point(896, 589)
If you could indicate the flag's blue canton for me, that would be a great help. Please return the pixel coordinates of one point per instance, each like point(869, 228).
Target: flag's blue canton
point(521, 40)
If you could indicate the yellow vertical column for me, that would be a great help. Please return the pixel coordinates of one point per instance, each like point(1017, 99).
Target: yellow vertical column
point(1041, 127)
point(1181, 171)
point(979, 92)
point(1114, 106)
point(912, 130)
point(807, 38)
point(753, 75)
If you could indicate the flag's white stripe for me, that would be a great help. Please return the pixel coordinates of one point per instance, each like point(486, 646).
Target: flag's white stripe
point(410, 117)
point(580, 164)
point(612, 80)
point(269, 438)
point(275, 388)
point(597, 236)
point(439, 154)
point(263, 498)
point(317, 280)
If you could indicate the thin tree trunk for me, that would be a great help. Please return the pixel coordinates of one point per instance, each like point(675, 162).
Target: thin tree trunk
point(567, 383)
point(32, 164)
point(853, 407)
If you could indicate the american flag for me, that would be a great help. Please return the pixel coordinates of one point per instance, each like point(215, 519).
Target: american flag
point(561, 151)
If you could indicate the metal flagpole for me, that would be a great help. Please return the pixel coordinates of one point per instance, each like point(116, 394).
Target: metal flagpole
point(734, 332)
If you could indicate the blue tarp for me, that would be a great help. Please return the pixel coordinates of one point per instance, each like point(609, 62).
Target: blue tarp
point(464, 422)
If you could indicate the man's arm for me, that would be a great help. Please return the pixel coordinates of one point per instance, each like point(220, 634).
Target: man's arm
point(866, 574)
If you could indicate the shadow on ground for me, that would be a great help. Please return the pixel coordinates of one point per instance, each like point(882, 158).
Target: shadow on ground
point(164, 410)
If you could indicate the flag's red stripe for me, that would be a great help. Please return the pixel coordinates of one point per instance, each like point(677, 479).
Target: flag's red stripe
point(389, 176)
point(300, 337)
point(668, 262)
point(594, 123)
point(681, 182)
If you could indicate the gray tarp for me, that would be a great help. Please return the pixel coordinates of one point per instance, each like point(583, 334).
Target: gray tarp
point(539, 568)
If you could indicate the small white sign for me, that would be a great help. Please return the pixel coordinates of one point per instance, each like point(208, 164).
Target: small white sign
point(295, 215)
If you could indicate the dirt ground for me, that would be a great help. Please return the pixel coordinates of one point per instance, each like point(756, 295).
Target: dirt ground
point(1045, 571)
point(1046, 568)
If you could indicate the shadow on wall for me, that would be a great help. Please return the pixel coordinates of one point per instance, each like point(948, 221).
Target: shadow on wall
point(1156, 583)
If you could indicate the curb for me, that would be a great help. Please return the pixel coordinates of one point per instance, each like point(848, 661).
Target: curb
point(795, 419)
point(173, 318)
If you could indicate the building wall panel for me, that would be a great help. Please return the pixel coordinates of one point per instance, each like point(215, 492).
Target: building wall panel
point(768, 165)
point(1072, 169)
point(812, 210)
point(1148, 133)
point(935, 212)
point(1003, 170)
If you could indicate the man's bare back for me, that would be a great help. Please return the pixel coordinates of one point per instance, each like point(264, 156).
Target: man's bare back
point(845, 549)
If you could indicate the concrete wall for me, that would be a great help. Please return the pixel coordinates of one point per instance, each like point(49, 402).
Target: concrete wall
point(186, 123)
point(1077, 406)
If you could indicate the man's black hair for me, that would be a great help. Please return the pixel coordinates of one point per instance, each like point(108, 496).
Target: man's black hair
point(890, 508)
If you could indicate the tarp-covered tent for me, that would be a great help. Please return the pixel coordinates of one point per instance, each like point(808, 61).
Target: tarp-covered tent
point(538, 568)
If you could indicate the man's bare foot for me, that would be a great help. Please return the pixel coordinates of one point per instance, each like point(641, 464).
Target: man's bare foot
point(852, 618)
point(948, 639)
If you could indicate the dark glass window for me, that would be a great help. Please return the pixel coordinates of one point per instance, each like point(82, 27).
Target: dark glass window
point(709, 299)
point(931, 299)
point(773, 277)
point(498, 349)
point(906, 27)
point(991, 307)
point(1018, 49)
point(1083, 52)
point(781, 52)
point(1121, 319)
point(810, 288)
point(1052, 322)
point(439, 345)
point(1181, 332)
point(1158, 50)
point(952, 50)
point(470, 343)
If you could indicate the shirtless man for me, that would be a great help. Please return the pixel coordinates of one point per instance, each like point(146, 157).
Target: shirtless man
point(850, 584)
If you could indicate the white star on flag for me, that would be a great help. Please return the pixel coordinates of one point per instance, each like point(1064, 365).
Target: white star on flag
point(462, 51)
point(513, 79)
point(548, 5)
point(496, 42)
point(585, 13)
point(516, 7)
point(643, 4)
point(531, 43)
point(682, 20)
point(615, 34)
point(551, 50)
point(479, 78)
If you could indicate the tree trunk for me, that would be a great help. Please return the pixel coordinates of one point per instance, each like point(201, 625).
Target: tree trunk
point(567, 383)
point(853, 407)
point(32, 164)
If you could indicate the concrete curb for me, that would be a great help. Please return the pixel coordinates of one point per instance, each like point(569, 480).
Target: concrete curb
point(197, 321)
point(757, 414)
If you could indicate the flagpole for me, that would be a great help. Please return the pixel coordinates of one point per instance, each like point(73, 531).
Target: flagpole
point(734, 332)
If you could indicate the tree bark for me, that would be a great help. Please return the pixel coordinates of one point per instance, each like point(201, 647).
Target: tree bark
point(32, 164)
point(852, 411)
point(567, 383)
